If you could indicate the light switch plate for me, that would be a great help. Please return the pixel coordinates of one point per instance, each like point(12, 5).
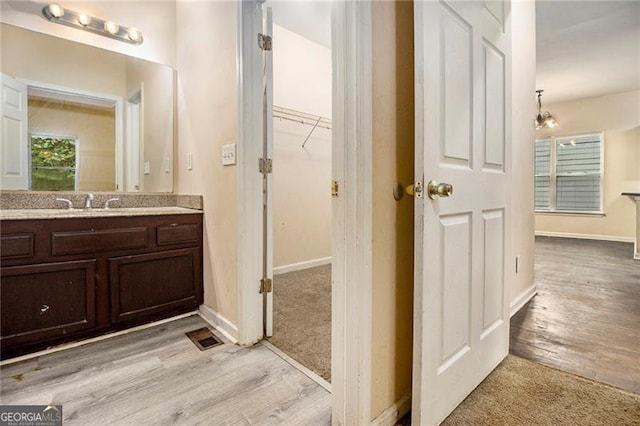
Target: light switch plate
point(229, 154)
point(147, 168)
point(189, 161)
point(167, 165)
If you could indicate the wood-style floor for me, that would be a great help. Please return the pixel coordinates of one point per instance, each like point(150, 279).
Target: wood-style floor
point(158, 376)
point(585, 318)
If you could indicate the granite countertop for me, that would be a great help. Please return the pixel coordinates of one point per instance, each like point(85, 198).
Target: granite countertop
point(21, 214)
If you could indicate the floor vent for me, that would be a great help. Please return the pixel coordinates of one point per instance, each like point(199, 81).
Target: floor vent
point(203, 338)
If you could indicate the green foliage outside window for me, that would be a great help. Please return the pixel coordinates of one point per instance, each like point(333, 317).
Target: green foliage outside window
point(53, 163)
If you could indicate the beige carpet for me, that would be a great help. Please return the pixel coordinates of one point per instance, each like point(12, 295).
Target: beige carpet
point(302, 317)
point(523, 392)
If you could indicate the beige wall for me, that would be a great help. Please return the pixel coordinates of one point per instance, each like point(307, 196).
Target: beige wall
point(301, 176)
point(156, 19)
point(393, 150)
point(94, 129)
point(619, 116)
point(207, 119)
point(523, 76)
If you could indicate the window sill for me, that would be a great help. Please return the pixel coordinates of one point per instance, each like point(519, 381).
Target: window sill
point(569, 213)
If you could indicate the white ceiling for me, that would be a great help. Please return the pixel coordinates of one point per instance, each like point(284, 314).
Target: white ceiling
point(587, 48)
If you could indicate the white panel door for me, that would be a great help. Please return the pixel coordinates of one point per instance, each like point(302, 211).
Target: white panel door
point(14, 142)
point(463, 132)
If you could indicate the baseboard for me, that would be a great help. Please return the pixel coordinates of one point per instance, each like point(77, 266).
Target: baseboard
point(220, 323)
point(394, 413)
point(522, 300)
point(301, 265)
point(586, 236)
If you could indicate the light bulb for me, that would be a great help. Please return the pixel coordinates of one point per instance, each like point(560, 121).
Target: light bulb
point(111, 27)
point(84, 20)
point(56, 10)
point(134, 35)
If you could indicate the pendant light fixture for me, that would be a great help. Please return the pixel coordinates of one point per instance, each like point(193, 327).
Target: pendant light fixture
point(544, 120)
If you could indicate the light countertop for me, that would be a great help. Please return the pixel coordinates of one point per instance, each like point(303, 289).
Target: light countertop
point(22, 214)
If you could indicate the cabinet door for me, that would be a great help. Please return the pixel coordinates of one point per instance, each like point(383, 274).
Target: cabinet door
point(147, 284)
point(45, 301)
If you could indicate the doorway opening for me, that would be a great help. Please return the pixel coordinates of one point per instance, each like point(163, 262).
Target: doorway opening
point(301, 197)
point(73, 140)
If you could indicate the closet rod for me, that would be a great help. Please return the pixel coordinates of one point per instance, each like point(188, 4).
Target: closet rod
point(302, 118)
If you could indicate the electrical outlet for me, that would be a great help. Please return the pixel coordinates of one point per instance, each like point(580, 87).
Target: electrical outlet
point(189, 161)
point(147, 168)
point(167, 165)
point(228, 154)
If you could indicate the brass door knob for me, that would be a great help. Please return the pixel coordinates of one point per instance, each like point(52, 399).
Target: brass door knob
point(439, 189)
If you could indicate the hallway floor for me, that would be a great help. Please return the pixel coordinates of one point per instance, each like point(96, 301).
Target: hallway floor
point(585, 318)
point(158, 376)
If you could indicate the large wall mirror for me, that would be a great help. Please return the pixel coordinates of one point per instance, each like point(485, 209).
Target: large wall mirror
point(95, 120)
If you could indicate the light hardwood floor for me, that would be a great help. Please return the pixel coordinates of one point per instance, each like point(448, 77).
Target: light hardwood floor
point(158, 376)
point(586, 316)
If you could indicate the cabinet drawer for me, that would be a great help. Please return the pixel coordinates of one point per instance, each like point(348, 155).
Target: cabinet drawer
point(91, 241)
point(146, 284)
point(46, 300)
point(177, 234)
point(16, 246)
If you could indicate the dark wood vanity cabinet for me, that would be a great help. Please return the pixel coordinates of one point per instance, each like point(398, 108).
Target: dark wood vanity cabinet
point(68, 279)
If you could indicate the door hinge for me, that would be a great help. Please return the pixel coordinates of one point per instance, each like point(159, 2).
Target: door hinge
point(334, 188)
point(265, 42)
point(266, 285)
point(265, 165)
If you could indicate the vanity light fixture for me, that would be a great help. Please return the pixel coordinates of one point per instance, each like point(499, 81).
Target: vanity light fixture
point(544, 120)
point(111, 27)
point(56, 13)
point(84, 20)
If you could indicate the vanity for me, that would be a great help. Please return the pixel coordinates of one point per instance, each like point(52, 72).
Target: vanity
point(67, 274)
point(76, 264)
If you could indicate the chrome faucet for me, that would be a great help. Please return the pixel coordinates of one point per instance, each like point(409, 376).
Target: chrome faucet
point(87, 201)
point(64, 200)
point(107, 204)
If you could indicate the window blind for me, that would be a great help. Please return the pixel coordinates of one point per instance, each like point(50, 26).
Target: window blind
point(568, 173)
point(542, 174)
point(578, 173)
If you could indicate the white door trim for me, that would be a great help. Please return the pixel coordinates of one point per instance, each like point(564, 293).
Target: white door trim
point(352, 213)
point(98, 97)
point(351, 210)
point(249, 201)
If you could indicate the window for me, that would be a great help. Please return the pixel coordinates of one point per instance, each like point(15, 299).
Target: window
point(53, 163)
point(568, 173)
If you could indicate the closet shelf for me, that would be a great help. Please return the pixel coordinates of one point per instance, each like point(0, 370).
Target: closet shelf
point(304, 118)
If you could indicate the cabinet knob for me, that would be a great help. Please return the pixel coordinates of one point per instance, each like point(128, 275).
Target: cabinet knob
point(44, 309)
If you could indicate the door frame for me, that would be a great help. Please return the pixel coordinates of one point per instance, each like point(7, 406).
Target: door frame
point(352, 165)
point(90, 97)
